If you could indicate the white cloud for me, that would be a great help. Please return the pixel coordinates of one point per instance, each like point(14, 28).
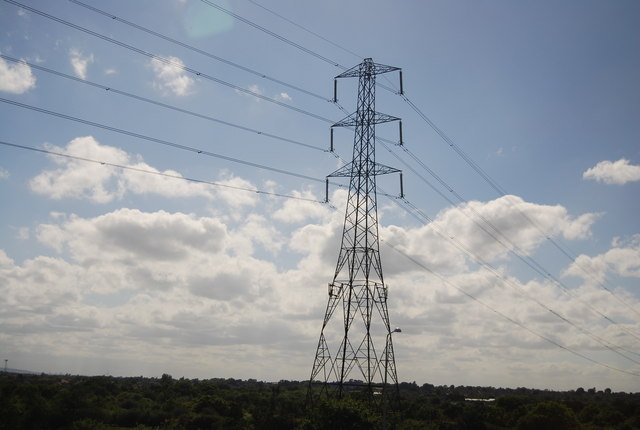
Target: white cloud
point(101, 184)
point(623, 259)
point(515, 222)
point(283, 97)
point(296, 211)
point(16, 78)
point(110, 71)
point(161, 281)
point(617, 172)
point(131, 249)
point(177, 280)
point(4, 174)
point(254, 88)
point(80, 62)
point(234, 197)
point(80, 179)
point(257, 230)
point(168, 186)
point(157, 236)
point(156, 281)
point(170, 76)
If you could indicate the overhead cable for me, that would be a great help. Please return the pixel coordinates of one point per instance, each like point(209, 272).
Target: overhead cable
point(304, 28)
point(160, 141)
point(199, 51)
point(164, 105)
point(444, 136)
point(422, 217)
point(493, 232)
point(171, 62)
point(405, 100)
point(505, 316)
point(152, 172)
point(271, 33)
point(425, 219)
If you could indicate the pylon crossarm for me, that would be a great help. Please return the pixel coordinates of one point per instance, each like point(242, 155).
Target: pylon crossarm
point(374, 118)
point(367, 67)
point(377, 169)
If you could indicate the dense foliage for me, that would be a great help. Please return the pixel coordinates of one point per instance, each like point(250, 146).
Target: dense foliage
point(98, 403)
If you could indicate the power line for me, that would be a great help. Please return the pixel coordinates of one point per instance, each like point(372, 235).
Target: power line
point(151, 172)
point(505, 316)
point(456, 148)
point(304, 28)
point(164, 105)
point(443, 135)
point(317, 201)
point(199, 51)
point(407, 101)
point(277, 36)
point(143, 52)
point(512, 249)
point(286, 40)
point(425, 219)
point(472, 164)
point(422, 115)
point(502, 192)
point(171, 62)
point(160, 141)
point(531, 262)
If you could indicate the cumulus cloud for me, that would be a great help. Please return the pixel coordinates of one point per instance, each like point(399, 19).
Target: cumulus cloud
point(171, 77)
point(623, 259)
point(262, 232)
point(133, 249)
point(125, 233)
point(297, 211)
point(80, 62)
point(166, 182)
point(52, 308)
point(229, 191)
point(613, 172)
point(16, 78)
point(80, 179)
point(22, 286)
point(133, 284)
point(474, 227)
point(283, 97)
point(162, 270)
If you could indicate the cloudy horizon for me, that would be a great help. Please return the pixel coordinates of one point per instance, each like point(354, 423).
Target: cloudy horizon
point(122, 255)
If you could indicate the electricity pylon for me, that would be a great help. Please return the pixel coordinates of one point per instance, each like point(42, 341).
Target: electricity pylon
point(356, 317)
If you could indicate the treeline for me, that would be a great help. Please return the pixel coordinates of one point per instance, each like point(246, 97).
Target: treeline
point(101, 402)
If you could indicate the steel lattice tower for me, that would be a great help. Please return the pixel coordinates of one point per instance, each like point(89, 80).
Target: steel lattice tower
point(356, 317)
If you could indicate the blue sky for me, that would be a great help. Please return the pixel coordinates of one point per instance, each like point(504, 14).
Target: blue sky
point(110, 270)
